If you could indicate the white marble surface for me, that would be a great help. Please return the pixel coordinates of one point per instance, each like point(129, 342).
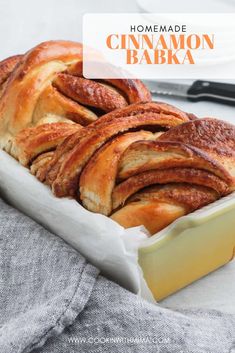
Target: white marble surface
point(25, 23)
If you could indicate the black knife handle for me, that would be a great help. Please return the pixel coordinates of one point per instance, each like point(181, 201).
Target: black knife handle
point(212, 91)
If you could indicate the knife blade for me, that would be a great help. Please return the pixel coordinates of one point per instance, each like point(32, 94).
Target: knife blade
point(197, 91)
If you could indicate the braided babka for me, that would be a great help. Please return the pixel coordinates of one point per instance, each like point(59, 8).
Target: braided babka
point(106, 144)
point(44, 98)
point(130, 167)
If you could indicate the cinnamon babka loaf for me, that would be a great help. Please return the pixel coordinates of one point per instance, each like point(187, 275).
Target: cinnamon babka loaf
point(106, 144)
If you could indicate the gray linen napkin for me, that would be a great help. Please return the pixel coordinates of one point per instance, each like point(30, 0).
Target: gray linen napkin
point(52, 300)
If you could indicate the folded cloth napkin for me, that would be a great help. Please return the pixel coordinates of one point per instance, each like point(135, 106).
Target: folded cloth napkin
point(52, 300)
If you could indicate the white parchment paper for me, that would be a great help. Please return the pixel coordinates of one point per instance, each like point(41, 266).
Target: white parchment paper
point(102, 241)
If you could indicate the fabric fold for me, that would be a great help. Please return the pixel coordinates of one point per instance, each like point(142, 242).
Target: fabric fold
point(44, 285)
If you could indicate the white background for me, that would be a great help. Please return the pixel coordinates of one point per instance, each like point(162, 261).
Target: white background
point(25, 23)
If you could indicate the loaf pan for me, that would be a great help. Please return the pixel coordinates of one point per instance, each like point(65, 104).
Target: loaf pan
point(190, 248)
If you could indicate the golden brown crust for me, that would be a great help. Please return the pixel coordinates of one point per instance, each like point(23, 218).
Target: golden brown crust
point(32, 75)
point(76, 69)
point(189, 196)
point(52, 102)
point(207, 134)
point(134, 90)
point(148, 155)
point(152, 214)
point(45, 122)
point(7, 66)
point(95, 194)
point(38, 166)
point(192, 116)
point(65, 51)
point(61, 152)
point(175, 175)
point(148, 108)
point(158, 206)
point(66, 183)
point(29, 95)
point(91, 93)
point(174, 115)
point(30, 142)
point(213, 136)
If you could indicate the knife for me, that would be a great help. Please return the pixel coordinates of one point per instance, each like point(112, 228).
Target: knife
point(197, 91)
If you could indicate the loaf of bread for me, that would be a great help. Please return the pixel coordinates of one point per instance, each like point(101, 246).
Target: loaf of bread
point(106, 144)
